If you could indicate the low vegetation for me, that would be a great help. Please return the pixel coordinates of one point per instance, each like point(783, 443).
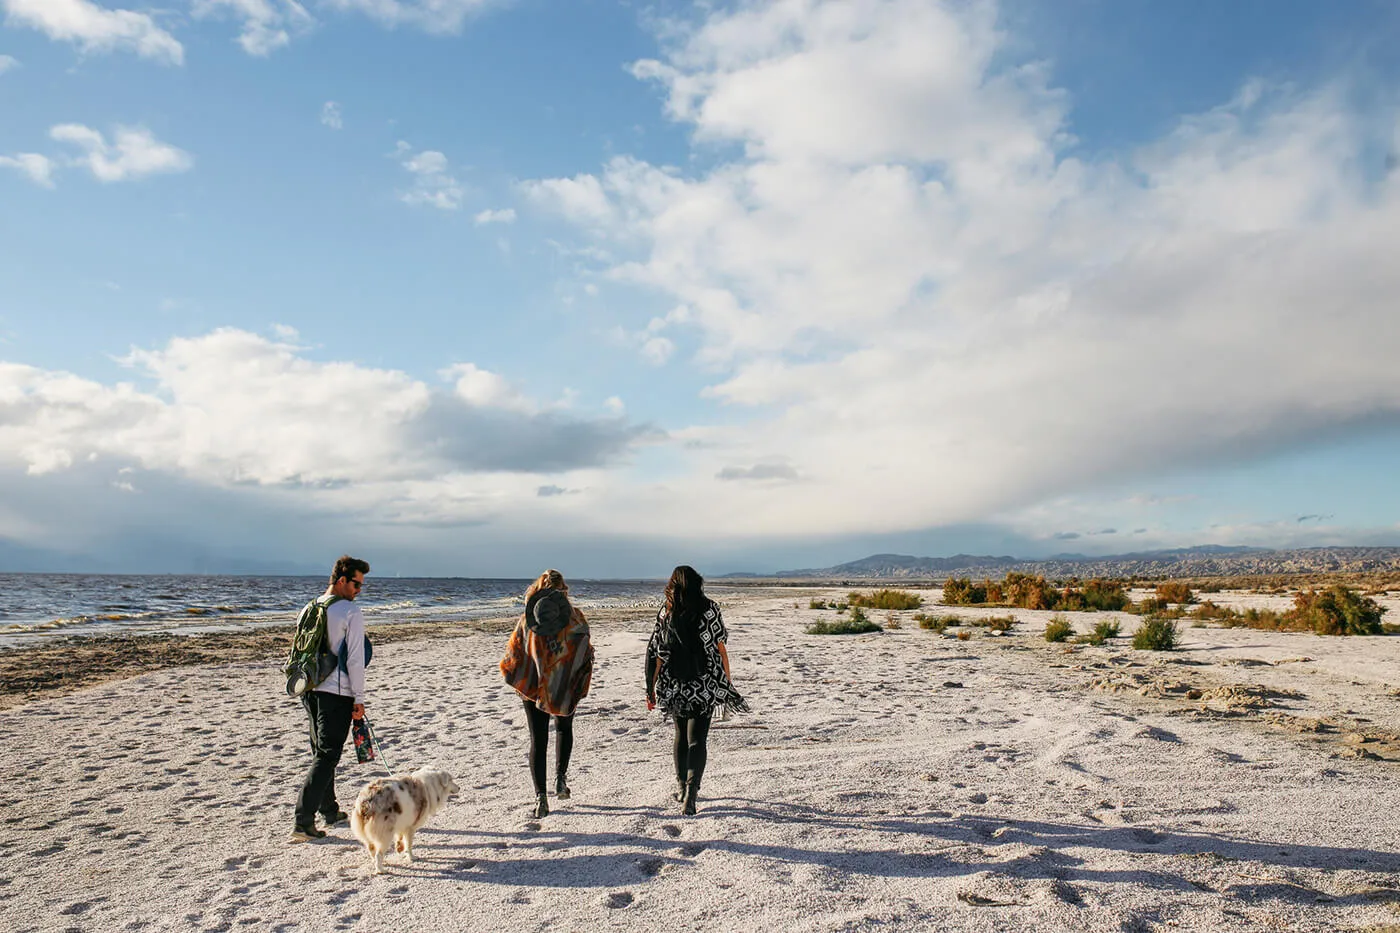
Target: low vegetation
point(886, 599)
point(1174, 592)
point(1336, 610)
point(1058, 629)
point(994, 623)
point(1025, 591)
point(1156, 634)
point(937, 624)
point(1102, 632)
point(857, 623)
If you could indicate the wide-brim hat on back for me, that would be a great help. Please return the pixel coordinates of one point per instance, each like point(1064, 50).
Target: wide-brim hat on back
point(547, 612)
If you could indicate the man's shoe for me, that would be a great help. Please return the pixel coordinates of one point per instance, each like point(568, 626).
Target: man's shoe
point(339, 817)
point(307, 833)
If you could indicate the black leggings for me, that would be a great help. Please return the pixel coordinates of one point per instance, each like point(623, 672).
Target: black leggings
point(691, 734)
point(538, 721)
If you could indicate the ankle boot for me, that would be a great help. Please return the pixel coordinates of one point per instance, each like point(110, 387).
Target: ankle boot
point(561, 788)
point(541, 806)
point(692, 790)
point(679, 795)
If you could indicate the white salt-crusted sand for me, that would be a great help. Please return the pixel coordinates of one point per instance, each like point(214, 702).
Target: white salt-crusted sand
point(894, 781)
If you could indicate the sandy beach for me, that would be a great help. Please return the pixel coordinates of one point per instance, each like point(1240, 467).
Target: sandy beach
point(901, 780)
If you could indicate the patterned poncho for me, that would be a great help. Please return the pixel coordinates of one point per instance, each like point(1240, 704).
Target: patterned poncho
point(697, 697)
point(553, 673)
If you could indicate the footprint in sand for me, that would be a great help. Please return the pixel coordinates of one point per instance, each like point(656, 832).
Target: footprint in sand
point(651, 867)
point(672, 831)
point(690, 850)
point(618, 900)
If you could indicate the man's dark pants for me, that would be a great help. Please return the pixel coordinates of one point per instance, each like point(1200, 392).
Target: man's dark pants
point(329, 715)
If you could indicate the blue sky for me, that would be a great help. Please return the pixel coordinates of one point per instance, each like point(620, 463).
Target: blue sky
point(475, 287)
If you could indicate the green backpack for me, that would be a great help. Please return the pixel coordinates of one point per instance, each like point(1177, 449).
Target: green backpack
point(310, 661)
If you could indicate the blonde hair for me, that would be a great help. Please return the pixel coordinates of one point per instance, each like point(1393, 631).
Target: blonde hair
point(549, 580)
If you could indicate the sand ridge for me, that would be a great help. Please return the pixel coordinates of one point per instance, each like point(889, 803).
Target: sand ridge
point(893, 781)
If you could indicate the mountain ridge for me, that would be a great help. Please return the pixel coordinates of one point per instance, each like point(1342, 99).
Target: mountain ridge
point(1202, 560)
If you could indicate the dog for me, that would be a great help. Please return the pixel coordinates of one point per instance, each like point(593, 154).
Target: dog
point(390, 810)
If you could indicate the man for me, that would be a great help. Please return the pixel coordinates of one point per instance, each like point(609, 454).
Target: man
point(335, 701)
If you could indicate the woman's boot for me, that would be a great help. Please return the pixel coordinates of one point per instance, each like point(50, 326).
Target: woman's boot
point(541, 806)
point(692, 789)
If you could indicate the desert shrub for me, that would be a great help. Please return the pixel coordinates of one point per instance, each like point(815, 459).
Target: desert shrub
point(886, 599)
point(817, 604)
point(1337, 610)
point(1029, 592)
point(891, 620)
point(1058, 629)
point(1102, 632)
point(1106, 595)
point(1209, 588)
point(935, 623)
point(1208, 610)
point(858, 623)
point(961, 591)
point(1174, 593)
point(1155, 634)
point(964, 635)
point(995, 623)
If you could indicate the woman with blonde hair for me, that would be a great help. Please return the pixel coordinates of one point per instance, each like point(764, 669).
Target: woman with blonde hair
point(549, 662)
point(687, 675)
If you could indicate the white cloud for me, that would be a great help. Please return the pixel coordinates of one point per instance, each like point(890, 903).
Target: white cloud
point(433, 184)
point(8, 63)
point(481, 388)
point(234, 409)
point(133, 152)
point(94, 28)
point(434, 16)
point(937, 312)
point(39, 168)
point(331, 115)
point(504, 216)
point(267, 24)
point(580, 199)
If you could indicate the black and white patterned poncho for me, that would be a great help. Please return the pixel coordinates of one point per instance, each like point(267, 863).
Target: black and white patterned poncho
point(695, 697)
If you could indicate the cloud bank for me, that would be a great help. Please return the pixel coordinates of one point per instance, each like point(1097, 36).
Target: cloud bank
point(931, 305)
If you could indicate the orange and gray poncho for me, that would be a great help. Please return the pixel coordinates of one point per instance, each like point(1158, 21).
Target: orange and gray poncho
point(552, 670)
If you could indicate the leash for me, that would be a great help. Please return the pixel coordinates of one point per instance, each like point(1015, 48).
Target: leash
point(374, 743)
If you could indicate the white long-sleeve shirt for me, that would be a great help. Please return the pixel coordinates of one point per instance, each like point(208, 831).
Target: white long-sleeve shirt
point(342, 618)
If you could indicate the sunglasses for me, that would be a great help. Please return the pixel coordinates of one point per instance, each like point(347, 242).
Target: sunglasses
point(357, 584)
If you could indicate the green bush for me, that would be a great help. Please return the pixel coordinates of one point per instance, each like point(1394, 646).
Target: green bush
point(1155, 634)
point(1337, 610)
point(1105, 595)
point(886, 599)
point(1058, 629)
point(817, 604)
point(891, 620)
point(935, 623)
point(995, 623)
point(1102, 632)
point(858, 624)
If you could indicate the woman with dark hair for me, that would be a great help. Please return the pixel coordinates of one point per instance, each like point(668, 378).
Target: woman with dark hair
point(549, 662)
point(687, 674)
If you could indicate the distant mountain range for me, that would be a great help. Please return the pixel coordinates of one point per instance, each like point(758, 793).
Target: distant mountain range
point(1203, 561)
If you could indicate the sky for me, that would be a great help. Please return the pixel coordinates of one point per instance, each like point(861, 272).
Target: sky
point(479, 287)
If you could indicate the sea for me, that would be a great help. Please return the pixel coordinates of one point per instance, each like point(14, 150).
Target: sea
point(36, 608)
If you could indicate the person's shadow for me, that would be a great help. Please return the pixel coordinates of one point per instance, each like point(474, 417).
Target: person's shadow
point(934, 845)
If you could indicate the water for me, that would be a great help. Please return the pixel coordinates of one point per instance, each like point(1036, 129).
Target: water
point(35, 607)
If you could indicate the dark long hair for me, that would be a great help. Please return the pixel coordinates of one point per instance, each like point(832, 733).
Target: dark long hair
point(686, 604)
